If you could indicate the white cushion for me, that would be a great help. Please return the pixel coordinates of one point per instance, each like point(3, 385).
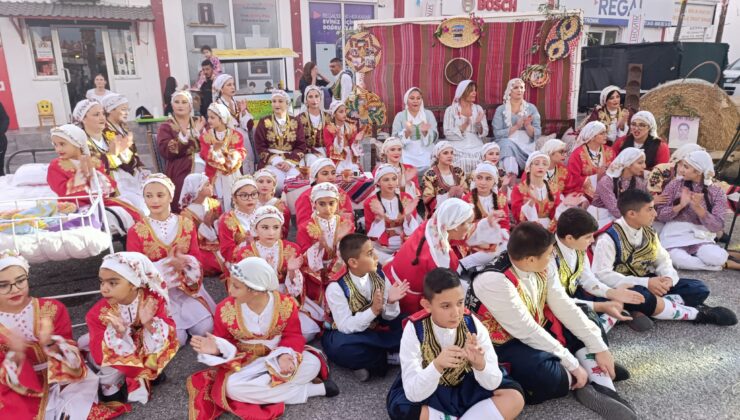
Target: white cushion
point(30, 174)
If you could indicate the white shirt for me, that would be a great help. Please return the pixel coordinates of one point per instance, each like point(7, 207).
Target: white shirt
point(502, 299)
point(605, 255)
point(165, 230)
point(420, 383)
point(342, 314)
point(587, 279)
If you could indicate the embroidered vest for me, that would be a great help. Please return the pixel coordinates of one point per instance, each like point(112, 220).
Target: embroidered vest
point(357, 301)
point(632, 261)
point(535, 304)
point(430, 347)
point(568, 277)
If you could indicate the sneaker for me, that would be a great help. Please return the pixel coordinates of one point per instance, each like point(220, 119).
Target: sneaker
point(394, 359)
point(640, 322)
point(362, 375)
point(717, 315)
point(620, 373)
point(605, 402)
point(332, 390)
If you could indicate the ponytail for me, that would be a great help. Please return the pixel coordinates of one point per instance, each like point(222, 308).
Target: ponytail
point(400, 203)
point(418, 250)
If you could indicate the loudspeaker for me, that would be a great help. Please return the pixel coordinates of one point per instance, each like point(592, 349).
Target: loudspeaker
point(632, 88)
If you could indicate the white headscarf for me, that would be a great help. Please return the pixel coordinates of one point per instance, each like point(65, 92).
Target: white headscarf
point(82, 108)
point(459, 90)
point(488, 147)
point(422, 111)
point(452, 213)
point(113, 101)
point(488, 168)
point(440, 146)
point(220, 81)
point(507, 103)
point(605, 93)
point(647, 117)
point(279, 93)
point(390, 142)
point(183, 93)
point(553, 145)
point(223, 113)
point(191, 188)
point(10, 258)
point(536, 155)
point(323, 190)
point(138, 270)
point(265, 212)
point(702, 162)
point(264, 173)
point(383, 170)
point(255, 273)
point(626, 157)
point(589, 132)
point(161, 179)
point(74, 135)
point(335, 105)
point(313, 88)
point(242, 181)
point(683, 151)
point(319, 164)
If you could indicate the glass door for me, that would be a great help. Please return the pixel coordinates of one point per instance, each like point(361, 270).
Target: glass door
point(81, 57)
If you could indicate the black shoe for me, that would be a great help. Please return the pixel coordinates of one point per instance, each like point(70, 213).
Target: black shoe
point(620, 373)
point(605, 402)
point(332, 390)
point(162, 378)
point(717, 315)
point(640, 322)
point(725, 238)
point(362, 375)
point(120, 396)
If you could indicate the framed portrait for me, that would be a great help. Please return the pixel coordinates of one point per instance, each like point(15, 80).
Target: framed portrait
point(205, 14)
point(684, 130)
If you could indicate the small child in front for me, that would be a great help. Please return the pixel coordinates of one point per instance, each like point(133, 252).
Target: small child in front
point(449, 368)
point(366, 326)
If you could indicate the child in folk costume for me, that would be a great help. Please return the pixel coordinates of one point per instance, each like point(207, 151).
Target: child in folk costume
point(279, 140)
point(259, 359)
point(557, 172)
point(132, 337)
point(366, 327)
point(75, 174)
point(178, 143)
point(449, 368)
point(322, 170)
point(532, 199)
point(589, 160)
point(491, 152)
point(267, 186)
point(492, 219)
point(549, 343)
point(318, 238)
point(429, 247)
point(342, 139)
point(241, 120)
point(693, 215)
point(235, 226)
point(664, 173)
point(171, 243)
point(408, 179)
point(198, 205)
point(222, 148)
point(116, 110)
point(390, 216)
point(416, 127)
point(629, 253)
point(624, 173)
point(314, 119)
point(42, 373)
point(286, 258)
point(442, 180)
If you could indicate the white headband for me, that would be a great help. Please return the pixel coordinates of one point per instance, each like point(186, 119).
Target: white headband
point(82, 108)
point(533, 156)
point(384, 170)
point(488, 147)
point(488, 168)
point(220, 81)
point(74, 135)
point(319, 164)
point(279, 93)
point(461, 89)
point(191, 188)
point(390, 142)
point(702, 162)
point(604, 96)
point(255, 273)
point(449, 215)
point(334, 107)
point(589, 131)
point(626, 157)
point(553, 145)
point(161, 179)
point(221, 111)
point(266, 212)
point(138, 270)
point(323, 190)
point(241, 182)
point(440, 146)
point(649, 118)
point(683, 151)
point(10, 258)
point(112, 102)
point(183, 93)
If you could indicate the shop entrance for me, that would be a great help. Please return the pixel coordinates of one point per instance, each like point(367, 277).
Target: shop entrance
point(81, 56)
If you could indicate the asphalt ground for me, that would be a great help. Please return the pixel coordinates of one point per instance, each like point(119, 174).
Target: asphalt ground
point(679, 370)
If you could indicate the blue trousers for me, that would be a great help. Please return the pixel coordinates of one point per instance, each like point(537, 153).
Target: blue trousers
point(364, 350)
point(693, 292)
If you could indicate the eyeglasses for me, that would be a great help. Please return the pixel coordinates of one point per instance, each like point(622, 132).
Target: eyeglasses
point(8, 287)
point(641, 125)
point(246, 196)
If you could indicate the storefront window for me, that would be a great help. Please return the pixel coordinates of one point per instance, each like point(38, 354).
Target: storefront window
point(256, 26)
point(207, 22)
point(43, 52)
point(122, 49)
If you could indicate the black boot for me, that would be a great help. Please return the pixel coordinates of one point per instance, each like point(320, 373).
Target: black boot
point(332, 390)
point(717, 315)
point(607, 403)
point(620, 373)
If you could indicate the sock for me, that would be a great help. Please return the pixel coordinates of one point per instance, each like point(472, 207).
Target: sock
point(393, 359)
point(595, 374)
point(676, 312)
point(607, 322)
point(316, 390)
point(435, 414)
point(675, 298)
point(484, 409)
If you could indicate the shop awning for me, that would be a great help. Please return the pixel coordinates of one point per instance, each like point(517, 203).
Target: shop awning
point(68, 11)
point(249, 54)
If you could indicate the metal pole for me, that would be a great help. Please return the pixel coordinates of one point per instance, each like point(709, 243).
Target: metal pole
point(721, 24)
point(677, 34)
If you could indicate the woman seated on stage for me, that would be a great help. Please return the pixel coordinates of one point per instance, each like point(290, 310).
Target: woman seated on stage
point(609, 112)
point(416, 127)
point(644, 135)
point(465, 126)
point(516, 127)
point(442, 180)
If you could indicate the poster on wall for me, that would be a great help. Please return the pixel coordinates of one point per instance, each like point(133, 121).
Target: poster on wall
point(44, 51)
point(326, 22)
point(684, 130)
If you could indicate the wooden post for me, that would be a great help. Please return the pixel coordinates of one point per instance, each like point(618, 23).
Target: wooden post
point(721, 24)
point(677, 34)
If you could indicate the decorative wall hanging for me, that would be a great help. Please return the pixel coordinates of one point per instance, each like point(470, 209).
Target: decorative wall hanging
point(537, 75)
point(460, 32)
point(362, 52)
point(563, 37)
point(367, 107)
point(457, 70)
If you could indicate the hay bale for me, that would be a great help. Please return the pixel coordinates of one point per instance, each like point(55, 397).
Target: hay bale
point(696, 98)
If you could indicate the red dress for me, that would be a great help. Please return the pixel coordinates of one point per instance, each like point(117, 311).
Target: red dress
point(350, 131)
point(212, 264)
point(391, 226)
point(207, 388)
point(401, 268)
point(304, 209)
point(287, 251)
point(179, 157)
point(581, 166)
point(558, 179)
point(663, 155)
point(230, 235)
point(545, 208)
point(268, 140)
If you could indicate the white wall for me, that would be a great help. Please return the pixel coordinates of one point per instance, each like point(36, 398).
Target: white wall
point(176, 48)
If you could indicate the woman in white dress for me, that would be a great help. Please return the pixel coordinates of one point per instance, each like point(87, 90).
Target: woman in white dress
point(224, 90)
point(516, 127)
point(417, 129)
point(465, 126)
